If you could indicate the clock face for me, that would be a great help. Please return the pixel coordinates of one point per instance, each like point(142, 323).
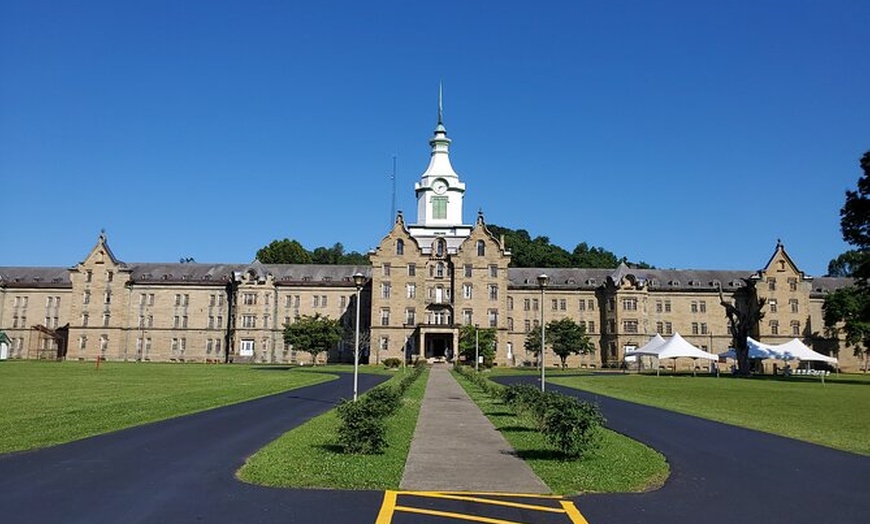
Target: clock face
point(439, 186)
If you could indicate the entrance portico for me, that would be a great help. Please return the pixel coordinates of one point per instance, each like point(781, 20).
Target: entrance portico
point(438, 342)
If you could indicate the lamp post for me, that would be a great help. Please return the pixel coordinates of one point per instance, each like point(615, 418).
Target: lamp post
point(543, 281)
point(476, 345)
point(358, 281)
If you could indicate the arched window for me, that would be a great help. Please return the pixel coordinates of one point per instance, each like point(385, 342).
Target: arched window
point(400, 247)
point(481, 248)
point(439, 247)
point(439, 270)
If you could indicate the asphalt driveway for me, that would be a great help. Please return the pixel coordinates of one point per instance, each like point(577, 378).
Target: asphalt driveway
point(179, 470)
point(725, 474)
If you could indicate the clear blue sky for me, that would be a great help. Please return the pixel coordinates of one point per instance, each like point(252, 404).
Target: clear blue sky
point(683, 133)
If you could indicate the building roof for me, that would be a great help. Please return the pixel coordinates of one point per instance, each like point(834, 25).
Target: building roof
point(654, 279)
point(38, 277)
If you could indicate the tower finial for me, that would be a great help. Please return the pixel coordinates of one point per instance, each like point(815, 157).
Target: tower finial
point(440, 106)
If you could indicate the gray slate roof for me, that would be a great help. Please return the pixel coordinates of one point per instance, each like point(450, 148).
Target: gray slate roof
point(655, 279)
point(39, 277)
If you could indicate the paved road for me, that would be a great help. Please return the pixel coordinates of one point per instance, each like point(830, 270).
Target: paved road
point(725, 474)
point(179, 470)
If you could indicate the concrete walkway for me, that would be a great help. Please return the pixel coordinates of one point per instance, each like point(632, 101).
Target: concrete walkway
point(456, 448)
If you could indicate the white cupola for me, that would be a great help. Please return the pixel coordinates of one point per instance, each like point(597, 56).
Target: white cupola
point(439, 191)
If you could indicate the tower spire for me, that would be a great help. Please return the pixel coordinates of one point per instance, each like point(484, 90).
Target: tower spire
point(440, 105)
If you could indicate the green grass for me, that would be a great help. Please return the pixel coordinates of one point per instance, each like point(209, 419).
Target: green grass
point(308, 457)
point(47, 403)
point(836, 414)
point(619, 465)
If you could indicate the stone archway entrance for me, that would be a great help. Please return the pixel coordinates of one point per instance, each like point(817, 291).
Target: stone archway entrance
point(438, 346)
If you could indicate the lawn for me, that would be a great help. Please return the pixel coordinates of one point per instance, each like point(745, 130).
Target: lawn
point(620, 464)
point(47, 403)
point(308, 457)
point(836, 414)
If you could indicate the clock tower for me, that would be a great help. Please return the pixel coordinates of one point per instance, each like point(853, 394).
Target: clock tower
point(439, 191)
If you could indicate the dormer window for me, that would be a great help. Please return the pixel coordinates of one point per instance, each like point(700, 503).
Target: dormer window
point(400, 247)
point(481, 248)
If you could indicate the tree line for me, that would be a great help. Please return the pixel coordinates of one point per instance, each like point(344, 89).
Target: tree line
point(525, 252)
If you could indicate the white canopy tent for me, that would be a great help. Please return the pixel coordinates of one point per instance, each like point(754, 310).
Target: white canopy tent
point(677, 347)
point(791, 350)
point(651, 347)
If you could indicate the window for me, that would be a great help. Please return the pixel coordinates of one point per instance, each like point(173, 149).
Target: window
point(468, 316)
point(796, 327)
point(793, 304)
point(400, 247)
point(534, 304)
point(185, 299)
point(590, 305)
point(104, 343)
point(669, 328)
point(510, 324)
point(265, 321)
point(467, 291)
point(667, 306)
point(439, 247)
point(695, 329)
point(323, 300)
point(151, 300)
point(660, 327)
point(248, 299)
point(774, 327)
point(184, 322)
point(384, 343)
point(412, 270)
point(510, 303)
point(468, 270)
point(85, 318)
point(210, 322)
point(772, 304)
point(554, 304)
point(792, 284)
point(658, 306)
point(630, 326)
point(563, 304)
point(771, 284)
point(108, 297)
point(591, 326)
point(246, 348)
point(386, 269)
point(439, 207)
point(694, 307)
point(703, 328)
point(493, 270)
point(248, 321)
point(611, 326)
point(342, 302)
point(410, 316)
point(493, 292)
point(492, 316)
point(629, 304)
point(89, 276)
point(177, 300)
point(611, 304)
point(582, 304)
point(385, 289)
point(385, 316)
point(411, 290)
point(527, 304)
point(527, 326)
point(106, 319)
point(315, 301)
point(220, 322)
point(83, 343)
point(481, 248)
point(702, 306)
point(439, 270)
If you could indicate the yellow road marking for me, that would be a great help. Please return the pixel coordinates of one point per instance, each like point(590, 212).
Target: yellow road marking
point(457, 516)
point(494, 502)
point(573, 512)
point(483, 494)
point(385, 516)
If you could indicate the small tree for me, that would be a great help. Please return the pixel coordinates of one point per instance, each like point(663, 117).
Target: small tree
point(313, 334)
point(532, 343)
point(568, 338)
point(486, 340)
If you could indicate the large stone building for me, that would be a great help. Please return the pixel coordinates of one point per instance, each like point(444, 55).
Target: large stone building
point(426, 280)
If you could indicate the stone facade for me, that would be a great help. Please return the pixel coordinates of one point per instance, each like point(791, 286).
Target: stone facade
point(426, 280)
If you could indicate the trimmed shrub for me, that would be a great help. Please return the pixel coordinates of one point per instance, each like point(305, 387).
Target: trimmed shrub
point(362, 429)
point(392, 363)
point(571, 426)
point(383, 400)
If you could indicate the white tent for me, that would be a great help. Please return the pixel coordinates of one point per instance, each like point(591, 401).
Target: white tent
point(677, 347)
point(650, 348)
point(795, 349)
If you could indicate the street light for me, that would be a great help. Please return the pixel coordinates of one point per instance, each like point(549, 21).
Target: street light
point(543, 281)
point(358, 280)
point(476, 345)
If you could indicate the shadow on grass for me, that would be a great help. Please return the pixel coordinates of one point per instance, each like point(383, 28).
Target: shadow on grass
point(332, 448)
point(274, 368)
point(543, 454)
point(516, 429)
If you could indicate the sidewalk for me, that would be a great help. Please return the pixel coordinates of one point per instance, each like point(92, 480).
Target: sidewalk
point(456, 448)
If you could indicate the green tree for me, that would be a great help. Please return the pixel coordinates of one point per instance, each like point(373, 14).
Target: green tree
point(532, 343)
point(568, 338)
point(847, 264)
point(313, 334)
point(848, 309)
point(284, 252)
point(486, 341)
